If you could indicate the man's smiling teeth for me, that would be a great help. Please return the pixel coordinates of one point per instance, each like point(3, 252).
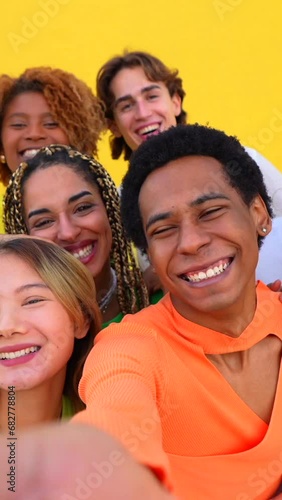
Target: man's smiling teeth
point(209, 273)
point(29, 154)
point(148, 129)
point(84, 252)
point(18, 354)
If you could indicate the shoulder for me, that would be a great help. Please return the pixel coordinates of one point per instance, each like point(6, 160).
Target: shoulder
point(267, 168)
point(268, 302)
point(269, 266)
point(274, 237)
point(153, 315)
point(156, 297)
point(142, 327)
point(277, 226)
point(272, 178)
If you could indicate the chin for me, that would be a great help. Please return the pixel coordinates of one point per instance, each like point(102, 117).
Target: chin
point(94, 272)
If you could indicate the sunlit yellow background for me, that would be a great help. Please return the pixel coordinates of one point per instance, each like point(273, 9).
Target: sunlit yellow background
point(228, 53)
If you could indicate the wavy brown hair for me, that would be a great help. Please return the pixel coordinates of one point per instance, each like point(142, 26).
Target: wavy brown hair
point(154, 69)
point(72, 104)
point(73, 286)
point(132, 293)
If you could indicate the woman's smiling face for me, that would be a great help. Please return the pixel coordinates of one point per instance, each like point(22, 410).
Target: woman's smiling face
point(61, 206)
point(27, 126)
point(36, 332)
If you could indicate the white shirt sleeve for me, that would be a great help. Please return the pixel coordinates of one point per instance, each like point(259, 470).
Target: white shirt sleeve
point(269, 266)
point(272, 178)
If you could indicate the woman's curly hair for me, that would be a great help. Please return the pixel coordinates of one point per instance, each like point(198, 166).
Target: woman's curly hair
point(132, 293)
point(72, 104)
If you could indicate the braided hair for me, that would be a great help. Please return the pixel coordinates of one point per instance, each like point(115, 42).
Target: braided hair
point(132, 293)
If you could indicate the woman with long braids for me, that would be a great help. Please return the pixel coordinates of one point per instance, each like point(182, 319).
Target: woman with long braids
point(68, 197)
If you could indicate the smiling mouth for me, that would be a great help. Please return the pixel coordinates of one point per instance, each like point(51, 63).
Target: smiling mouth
point(19, 354)
point(206, 274)
point(83, 252)
point(28, 154)
point(149, 131)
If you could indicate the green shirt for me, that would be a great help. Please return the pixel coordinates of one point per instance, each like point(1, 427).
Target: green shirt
point(67, 409)
point(154, 298)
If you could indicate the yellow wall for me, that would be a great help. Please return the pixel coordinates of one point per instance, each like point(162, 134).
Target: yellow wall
point(228, 53)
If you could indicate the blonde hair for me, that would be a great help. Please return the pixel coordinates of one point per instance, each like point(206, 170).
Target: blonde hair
point(73, 286)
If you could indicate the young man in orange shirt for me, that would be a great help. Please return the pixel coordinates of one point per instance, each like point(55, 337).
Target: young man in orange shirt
point(192, 386)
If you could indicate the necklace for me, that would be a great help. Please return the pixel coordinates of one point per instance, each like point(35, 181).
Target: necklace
point(105, 301)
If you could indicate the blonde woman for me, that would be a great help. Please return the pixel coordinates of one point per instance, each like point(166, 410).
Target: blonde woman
point(48, 320)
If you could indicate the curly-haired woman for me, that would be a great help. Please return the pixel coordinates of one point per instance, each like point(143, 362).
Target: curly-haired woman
point(44, 106)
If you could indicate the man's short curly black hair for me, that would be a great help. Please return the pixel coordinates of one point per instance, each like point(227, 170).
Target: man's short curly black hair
point(240, 169)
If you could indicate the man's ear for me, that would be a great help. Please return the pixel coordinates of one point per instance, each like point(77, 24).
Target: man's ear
point(261, 216)
point(112, 126)
point(81, 331)
point(177, 104)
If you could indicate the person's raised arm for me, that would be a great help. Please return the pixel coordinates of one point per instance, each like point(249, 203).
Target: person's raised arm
point(63, 461)
point(121, 385)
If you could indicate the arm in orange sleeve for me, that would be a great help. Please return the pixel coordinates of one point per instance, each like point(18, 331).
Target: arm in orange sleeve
point(65, 461)
point(122, 384)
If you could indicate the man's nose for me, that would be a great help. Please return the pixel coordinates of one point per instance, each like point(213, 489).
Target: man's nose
point(192, 238)
point(143, 109)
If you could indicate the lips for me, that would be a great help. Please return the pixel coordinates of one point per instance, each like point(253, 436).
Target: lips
point(28, 154)
point(18, 353)
point(207, 273)
point(149, 130)
point(83, 251)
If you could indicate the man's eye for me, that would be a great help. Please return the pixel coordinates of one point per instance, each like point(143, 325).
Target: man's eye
point(153, 96)
point(211, 211)
point(162, 230)
point(126, 107)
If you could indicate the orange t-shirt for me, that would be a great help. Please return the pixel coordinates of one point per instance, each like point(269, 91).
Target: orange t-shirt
point(148, 382)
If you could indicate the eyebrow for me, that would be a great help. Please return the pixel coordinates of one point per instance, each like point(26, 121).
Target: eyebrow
point(207, 197)
point(195, 203)
point(73, 198)
point(28, 286)
point(43, 115)
point(127, 97)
